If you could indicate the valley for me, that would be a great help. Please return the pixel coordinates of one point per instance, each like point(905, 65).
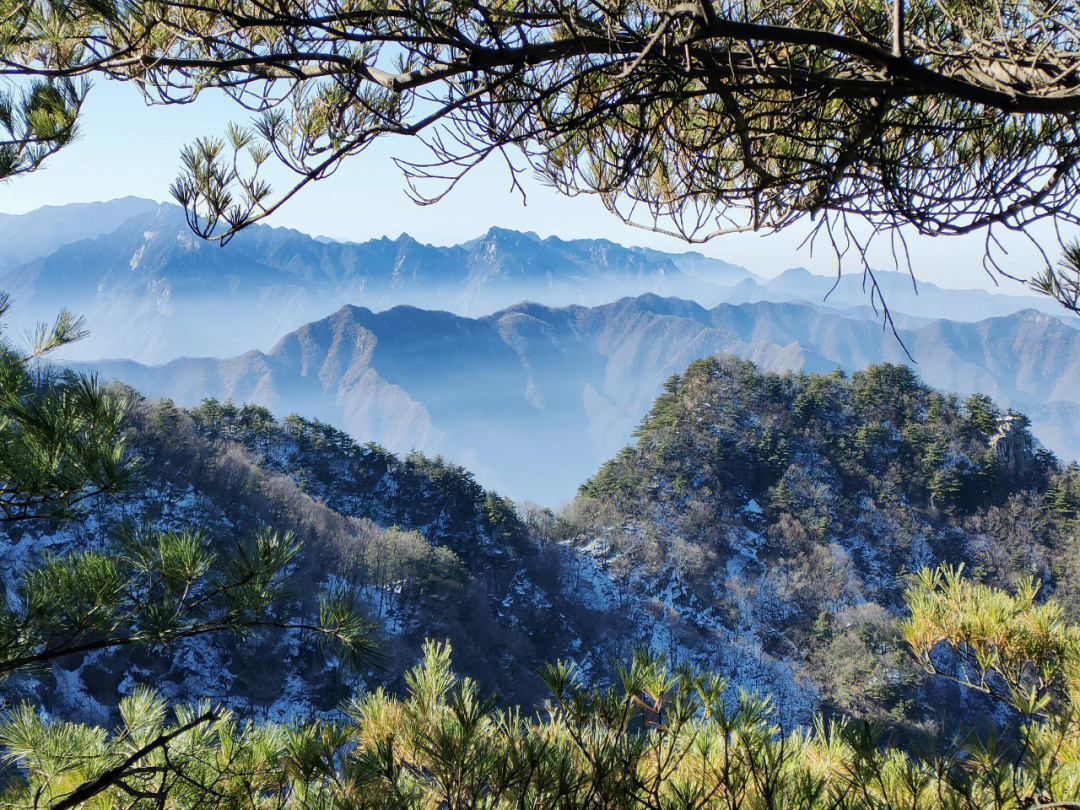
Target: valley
point(532, 399)
point(430, 348)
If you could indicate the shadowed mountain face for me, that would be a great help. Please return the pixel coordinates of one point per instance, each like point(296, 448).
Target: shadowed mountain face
point(40, 232)
point(532, 398)
point(152, 291)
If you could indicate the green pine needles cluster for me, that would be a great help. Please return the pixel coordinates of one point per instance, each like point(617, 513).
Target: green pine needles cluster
point(149, 588)
point(64, 445)
point(61, 435)
point(660, 738)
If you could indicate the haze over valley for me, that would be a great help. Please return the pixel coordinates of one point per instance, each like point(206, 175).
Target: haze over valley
point(431, 348)
point(532, 398)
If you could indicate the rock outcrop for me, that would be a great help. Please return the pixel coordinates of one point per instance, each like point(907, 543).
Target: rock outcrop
point(1012, 444)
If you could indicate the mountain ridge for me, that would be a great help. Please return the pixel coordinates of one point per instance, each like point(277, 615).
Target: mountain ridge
point(565, 386)
point(761, 526)
point(141, 270)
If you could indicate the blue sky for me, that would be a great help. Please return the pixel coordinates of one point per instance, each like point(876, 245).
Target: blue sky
point(127, 148)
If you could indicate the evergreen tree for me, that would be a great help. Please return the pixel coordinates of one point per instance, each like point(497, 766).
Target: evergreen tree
point(150, 588)
point(61, 434)
point(63, 445)
point(662, 737)
point(1064, 494)
point(982, 414)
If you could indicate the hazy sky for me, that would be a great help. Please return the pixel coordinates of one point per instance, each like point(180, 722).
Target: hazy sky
point(127, 148)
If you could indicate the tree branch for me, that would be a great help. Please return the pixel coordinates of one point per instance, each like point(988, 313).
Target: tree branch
point(89, 790)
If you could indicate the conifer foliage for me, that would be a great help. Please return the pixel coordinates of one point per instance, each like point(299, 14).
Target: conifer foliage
point(149, 588)
point(61, 436)
point(662, 737)
point(64, 445)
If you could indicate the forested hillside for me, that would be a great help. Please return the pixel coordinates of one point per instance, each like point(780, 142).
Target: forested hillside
point(790, 509)
point(420, 545)
point(762, 527)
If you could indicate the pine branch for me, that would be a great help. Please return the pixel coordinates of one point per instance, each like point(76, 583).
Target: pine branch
point(88, 790)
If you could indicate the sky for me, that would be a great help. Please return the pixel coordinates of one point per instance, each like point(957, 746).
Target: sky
point(129, 148)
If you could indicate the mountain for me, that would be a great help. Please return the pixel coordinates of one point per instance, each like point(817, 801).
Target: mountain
point(43, 230)
point(162, 291)
point(152, 291)
point(533, 398)
point(427, 552)
point(706, 268)
point(780, 516)
point(902, 294)
point(761, 526)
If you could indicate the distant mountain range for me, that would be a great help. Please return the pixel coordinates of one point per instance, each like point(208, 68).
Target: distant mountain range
point(40, 232)
point(163, 292)
point(899, 291)
point(152, 291)
point(532, 398)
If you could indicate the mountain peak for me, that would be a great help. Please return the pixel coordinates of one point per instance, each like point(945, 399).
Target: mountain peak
point(508, 236)
point(795, 274)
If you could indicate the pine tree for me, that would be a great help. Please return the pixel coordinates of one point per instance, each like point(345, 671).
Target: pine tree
point(63, 445)
point(660, 737)
point(982, 414)
point(1064, 495)
point(61, 434)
